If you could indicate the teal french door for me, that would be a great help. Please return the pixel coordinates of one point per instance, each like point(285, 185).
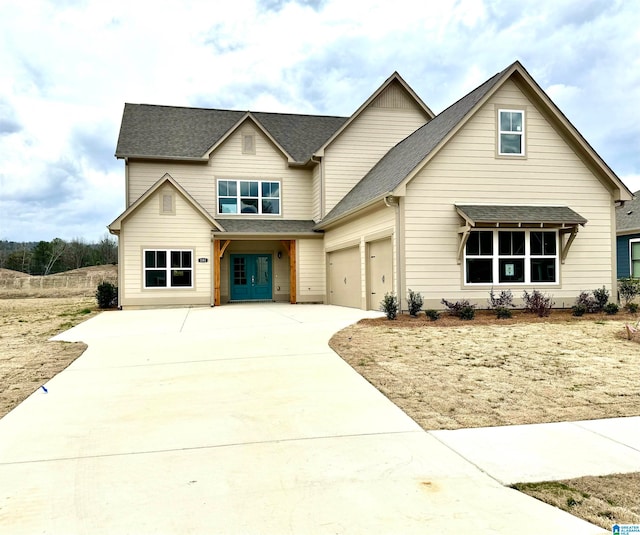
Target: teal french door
point(250, 277)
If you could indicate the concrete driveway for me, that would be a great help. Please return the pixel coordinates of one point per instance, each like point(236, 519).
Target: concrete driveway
point(236, 420)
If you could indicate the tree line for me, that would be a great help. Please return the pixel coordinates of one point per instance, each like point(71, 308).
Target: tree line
point(57, 255)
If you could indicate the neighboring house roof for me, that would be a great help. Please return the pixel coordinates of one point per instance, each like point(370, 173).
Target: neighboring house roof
point(628, 216)
point(115, 226)
point(492, 213)
point(169, 132)
point(405, 159)
point(267, 226)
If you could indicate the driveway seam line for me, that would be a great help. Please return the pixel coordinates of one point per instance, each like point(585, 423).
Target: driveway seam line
point(216, 446)
point(607, 437)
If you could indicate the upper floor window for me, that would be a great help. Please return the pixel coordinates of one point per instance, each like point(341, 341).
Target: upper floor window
point(511, 132)
point(511, 256)
point(248, 197)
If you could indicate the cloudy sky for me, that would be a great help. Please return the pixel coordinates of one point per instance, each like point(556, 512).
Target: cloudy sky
point(68, 67)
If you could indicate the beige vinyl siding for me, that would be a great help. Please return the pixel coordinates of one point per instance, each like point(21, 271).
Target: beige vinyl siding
point(229, 162)
point(374, 225)
point(356, 150)
point(311, 271)
point(146, 228)
point(466, 171)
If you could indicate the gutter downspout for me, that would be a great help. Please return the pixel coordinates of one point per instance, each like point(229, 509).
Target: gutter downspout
point(391, 201)
point(318, 160)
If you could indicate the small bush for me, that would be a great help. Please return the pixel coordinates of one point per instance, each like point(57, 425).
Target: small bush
point(455, 309)
point(586, 300)
point(601, 297)
point(433, 315)
point(628, 289)
point(504, 300)
point(503, 313)
point(632, 307)
point(415, 302)
point(467, 312)
point(611, 309)
point(107, 295)
point(537, 303)
point(389, 305)
point(578, 309)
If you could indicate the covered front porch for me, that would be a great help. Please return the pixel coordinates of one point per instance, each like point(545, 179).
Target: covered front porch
point(258, 260)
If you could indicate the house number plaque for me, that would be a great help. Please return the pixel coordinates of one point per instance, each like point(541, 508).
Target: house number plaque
point(203, 260)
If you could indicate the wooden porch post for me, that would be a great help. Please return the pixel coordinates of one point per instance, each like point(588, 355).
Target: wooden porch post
point(218, 251)
point(216, 273)
point(292, 272)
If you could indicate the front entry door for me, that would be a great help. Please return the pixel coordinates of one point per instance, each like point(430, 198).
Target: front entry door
point(250, 277)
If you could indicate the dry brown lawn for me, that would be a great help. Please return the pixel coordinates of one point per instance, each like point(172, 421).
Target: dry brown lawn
point(451, 374)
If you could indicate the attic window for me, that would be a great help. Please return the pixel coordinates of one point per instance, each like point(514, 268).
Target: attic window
point(248, 144)
point(511, 133)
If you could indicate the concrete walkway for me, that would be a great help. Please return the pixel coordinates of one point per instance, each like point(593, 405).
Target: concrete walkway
point(241, 420)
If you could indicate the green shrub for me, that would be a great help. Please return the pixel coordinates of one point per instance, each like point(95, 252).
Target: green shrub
point(632, 307)
point(455, 309)
point(107, 295)
point(503, 313)
point(415, 302)
point(389, 305)
point(433, 315)
point(578, 309)
point(601, 297)
point(611, 309)
point(586, 300)
point(628, 289)
point(467, 312)
point(537, 303)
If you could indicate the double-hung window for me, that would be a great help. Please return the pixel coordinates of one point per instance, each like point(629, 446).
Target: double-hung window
point(511, 257)
point(634, 256)
point(166, 268)
point(511, 132)
point(248, 197)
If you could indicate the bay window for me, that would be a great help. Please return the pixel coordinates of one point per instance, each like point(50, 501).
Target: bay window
point(511, 257)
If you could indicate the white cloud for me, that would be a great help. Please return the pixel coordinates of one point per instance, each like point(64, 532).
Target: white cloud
point(69, 67)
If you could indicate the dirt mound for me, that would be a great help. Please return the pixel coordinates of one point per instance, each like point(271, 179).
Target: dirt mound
point(77, 282)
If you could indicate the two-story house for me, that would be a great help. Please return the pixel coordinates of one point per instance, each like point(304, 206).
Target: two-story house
point(498, 191)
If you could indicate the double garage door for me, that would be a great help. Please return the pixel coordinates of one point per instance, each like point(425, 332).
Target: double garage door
point(345, 280)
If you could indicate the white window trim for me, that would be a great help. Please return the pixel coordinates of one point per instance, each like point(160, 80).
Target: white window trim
point(521, 134)
point(632, 241)
point(238, 197)
point(167, 269)
point(496, 257)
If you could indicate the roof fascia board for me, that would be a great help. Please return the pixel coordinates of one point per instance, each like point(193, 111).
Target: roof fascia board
point(588, 153)
point(324, 225)
point(248, 116)
point(400, 189)
point(394, 77)
point(266, 235)
point(167, 178)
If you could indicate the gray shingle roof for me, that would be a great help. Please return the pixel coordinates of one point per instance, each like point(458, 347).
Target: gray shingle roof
point(402, 159)
point(628, 215)
point(172, 132)
point(491, 213)
point(268, 226)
